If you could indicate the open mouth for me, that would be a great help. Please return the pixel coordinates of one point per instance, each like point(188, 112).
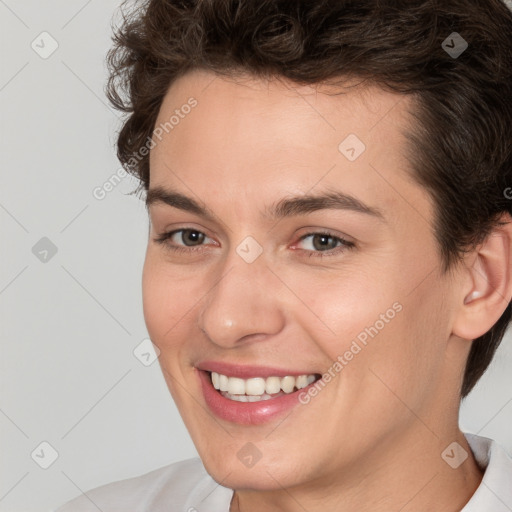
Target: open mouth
point(257, 389)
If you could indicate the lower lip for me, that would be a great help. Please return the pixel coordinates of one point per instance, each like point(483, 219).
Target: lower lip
point(247, 413)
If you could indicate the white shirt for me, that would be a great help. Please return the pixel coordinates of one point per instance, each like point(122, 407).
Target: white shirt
point(186, 487)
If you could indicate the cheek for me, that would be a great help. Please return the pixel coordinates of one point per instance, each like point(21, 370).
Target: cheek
point(377, 325)
point(340, 306)
point(404, 362)
point(167, 299)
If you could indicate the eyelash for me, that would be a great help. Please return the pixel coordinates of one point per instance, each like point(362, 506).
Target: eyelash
point(344, 244)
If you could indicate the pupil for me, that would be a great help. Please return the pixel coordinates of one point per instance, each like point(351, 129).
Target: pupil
point(324, 241)
point(193, 236)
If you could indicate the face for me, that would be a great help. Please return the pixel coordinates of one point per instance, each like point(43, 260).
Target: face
point(304, 249)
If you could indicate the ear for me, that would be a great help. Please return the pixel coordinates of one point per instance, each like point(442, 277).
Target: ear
point(487, 283)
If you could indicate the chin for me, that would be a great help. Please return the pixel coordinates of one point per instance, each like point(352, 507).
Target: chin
point(247, 479)
point(263, 476)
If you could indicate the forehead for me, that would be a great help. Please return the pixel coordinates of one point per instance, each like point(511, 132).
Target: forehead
point(249, 138)
point(269, 107)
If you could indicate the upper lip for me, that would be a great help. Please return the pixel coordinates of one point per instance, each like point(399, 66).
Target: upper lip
point(248, 371)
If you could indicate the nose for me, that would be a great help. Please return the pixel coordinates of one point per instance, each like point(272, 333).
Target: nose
point(243, 305)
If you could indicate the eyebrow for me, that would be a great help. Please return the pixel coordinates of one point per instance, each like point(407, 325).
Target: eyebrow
point(286, 207)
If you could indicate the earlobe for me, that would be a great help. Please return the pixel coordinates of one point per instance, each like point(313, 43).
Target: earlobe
point(488, 283)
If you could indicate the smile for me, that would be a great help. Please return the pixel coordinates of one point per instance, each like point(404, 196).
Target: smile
point(251, 395)
point(258, 388)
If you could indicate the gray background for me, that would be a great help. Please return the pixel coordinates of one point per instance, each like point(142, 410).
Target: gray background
point(70, 321)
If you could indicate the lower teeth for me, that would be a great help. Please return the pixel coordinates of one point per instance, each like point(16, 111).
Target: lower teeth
point(250, 398)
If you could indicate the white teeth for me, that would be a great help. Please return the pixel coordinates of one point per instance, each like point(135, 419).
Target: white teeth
point(273, 385)
point(287, 384)
point(215, 380)
point(223, 382)
point(255, 386)
point(301, 381)
point(239, 398)
point(247, 398)
point(236, 386)
point(258, 388)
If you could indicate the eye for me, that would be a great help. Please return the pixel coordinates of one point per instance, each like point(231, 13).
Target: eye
point(190, 239)
point(320, 244)
point(325, 242)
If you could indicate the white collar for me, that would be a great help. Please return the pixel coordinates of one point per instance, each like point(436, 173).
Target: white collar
point(494, 494)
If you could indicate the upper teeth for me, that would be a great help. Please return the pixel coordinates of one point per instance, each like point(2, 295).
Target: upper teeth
point(258, 385)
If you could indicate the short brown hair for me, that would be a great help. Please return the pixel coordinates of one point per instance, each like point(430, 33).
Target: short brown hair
point(462, 139)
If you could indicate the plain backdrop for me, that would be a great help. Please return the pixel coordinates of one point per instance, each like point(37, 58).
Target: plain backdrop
point(74, 396)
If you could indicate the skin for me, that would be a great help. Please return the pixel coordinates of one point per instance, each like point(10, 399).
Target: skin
point(372, 438)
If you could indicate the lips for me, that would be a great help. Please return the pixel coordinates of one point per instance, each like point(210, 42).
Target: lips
point(248, 412)
point(249, 371)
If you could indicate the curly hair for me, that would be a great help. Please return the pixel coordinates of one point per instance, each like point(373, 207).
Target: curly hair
point(461, 146)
